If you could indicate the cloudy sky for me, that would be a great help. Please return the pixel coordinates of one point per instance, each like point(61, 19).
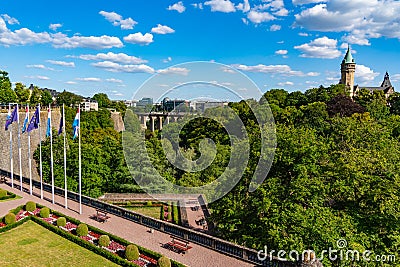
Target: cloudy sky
point(113, 47)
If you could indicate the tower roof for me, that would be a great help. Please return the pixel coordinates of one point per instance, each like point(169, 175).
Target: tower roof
point(386, 81)
point(348, 58)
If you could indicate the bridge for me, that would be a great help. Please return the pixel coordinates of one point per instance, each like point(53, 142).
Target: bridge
point(156, 120)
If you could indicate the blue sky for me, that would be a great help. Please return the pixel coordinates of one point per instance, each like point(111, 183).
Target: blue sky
point(114, 46)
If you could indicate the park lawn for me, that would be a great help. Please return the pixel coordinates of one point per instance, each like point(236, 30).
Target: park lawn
point(153, 212)
point(33, 245)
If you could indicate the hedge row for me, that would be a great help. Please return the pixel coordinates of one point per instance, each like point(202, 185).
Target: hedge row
point(118, 239)
point(108, 255)
point(175, 213)
point(83, 243)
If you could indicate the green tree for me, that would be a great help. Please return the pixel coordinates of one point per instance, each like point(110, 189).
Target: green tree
point(275, 96)
point(69, 99)
point(35, 96)
point(22, 93)
point(103, 100)
point(46, 98)
point(5, 83)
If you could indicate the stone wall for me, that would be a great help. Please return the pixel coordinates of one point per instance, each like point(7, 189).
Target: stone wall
point(5, 142)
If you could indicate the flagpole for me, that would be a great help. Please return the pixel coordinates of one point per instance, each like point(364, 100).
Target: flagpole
point(65, 160)
point(19, 149)
point(40, 158)
point(80, 164)
point(51, 158)
point(11, 153)
point(29, 157)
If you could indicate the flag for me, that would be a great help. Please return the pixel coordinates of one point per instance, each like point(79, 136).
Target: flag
point(34, 123)
point(76, 124)
point(48, 131)
point(11, 117)
point(25, 120)
point(60, 129)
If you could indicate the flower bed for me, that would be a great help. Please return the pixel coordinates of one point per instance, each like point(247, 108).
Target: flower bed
point(87, 238)
point(70, 226)
point(114, 246)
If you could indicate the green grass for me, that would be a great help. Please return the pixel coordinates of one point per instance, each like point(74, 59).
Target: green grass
point(32, 245)
point(153, 212)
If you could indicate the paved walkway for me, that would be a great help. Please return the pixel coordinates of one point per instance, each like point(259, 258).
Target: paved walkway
point(198, 256)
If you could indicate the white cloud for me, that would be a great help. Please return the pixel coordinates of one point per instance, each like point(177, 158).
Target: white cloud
point(9, 19)
point(62, 63)
point(70, 82)
point(199, 5)
point(275, 28)
point(351, 39)
point(39, 66)
point(281, 52)
point(259, 17)
point(304, 2)
point(118, 20)
point(112, 80)
point(304, 34)
point(245, 6)
point(286, 83)
point(177, 7)
point(118, 58)
point(320, 48)
point(225, 6)
point(283, 70)
point(38, 77)
point(60, 40)
point(139, 38)
point(89, 79)
point(168, 59)
point(364, 74)
point(55, 26)
point(174, 70)
point(115, 67)
point(162, 29)
point(361, 19)
point(395, 77)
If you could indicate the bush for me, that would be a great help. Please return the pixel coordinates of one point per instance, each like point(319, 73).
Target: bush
point(164, 262)
point(132, 252)
point(61, 221)
point(45, 212)
point(82, 230)
point(30, 206)
point(169, 217)
point(104, 241)
point(10, 218)
point(3, 193)
point(149, 204)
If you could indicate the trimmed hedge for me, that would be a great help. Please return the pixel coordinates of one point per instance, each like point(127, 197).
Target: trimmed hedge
point(164, 262)
point(132, 252)
point(3, 193)
point(45, 212)
point(149, 204)
point(8, 195)
point(10, 218)
point(175, 213)
point(82, 230)
point(30, 206)
point(104, 241)
point(12, 226)
point(61, 221)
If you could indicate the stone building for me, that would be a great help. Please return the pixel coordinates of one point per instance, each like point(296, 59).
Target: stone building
point(348, 68)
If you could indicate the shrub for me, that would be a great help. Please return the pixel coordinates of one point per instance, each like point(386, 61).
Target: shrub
point(82, 230)
point(30, 206)
point(164, 262)
point(45, 212)
point(149, 204)
point(3, 193)
point(169, 217)
point(104, 241)
point(132, 252)
point(61, 221)
point(10, 218)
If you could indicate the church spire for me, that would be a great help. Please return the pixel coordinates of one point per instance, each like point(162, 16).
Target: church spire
point(348, 58)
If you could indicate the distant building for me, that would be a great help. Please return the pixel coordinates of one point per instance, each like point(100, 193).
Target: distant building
point(130, 103)
point(89, 105)
point(144, 102)
point(348, 68)
point(178, 105)
point(203, 105)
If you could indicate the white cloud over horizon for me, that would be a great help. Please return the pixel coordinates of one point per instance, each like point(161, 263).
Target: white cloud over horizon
point(323, 47)
point(139, 38)
point(117, 20)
